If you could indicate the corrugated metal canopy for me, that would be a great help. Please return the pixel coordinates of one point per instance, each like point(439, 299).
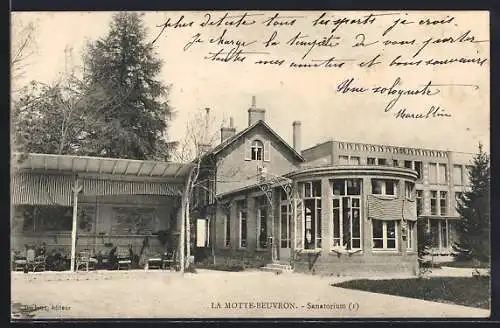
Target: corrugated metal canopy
point(99, 165)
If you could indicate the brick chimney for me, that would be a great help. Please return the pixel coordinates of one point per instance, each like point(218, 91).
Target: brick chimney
point(255, 114)
point(227, 132)
point(296, 136)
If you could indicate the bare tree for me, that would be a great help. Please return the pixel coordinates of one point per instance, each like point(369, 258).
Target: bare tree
point(201, 135)
point(23, 47)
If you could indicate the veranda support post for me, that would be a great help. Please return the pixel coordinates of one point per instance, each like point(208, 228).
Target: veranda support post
point(76, 190)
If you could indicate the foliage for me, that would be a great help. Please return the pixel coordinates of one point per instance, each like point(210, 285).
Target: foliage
point(115, 107)
point(423, 243)
point(122, 68)
point(42, 121)
point(57, 262)
point(474, 292)
point(23, 47)
point(474, 209)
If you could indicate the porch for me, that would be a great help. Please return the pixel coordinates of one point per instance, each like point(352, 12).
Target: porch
point(63, 205)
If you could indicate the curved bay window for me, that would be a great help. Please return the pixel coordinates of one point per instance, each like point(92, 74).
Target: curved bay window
point(257, 150)
point(347, 213)
point(312, 214)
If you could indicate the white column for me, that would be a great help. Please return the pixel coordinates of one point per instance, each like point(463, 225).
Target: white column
point(76, 190)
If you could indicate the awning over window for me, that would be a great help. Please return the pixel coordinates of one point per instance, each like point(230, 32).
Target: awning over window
point(382, 208)
point(97, 187)
point(41, 189)
point(48, 189)
point(46, 179)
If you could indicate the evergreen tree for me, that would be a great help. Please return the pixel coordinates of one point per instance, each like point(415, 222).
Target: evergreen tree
point(473, 207)
point(121, 70)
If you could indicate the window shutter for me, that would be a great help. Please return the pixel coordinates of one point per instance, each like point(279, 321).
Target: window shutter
point(248, 150)
point(267, 151)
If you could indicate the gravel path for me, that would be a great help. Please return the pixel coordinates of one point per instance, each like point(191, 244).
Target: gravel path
point(216, 294)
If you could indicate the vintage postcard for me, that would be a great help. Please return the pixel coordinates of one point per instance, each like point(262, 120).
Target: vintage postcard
point(250, 164)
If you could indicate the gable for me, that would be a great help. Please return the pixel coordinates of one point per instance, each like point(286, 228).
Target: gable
point(265, 129)
point(237, 168)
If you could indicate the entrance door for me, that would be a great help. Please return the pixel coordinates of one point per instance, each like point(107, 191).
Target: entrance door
point(285, 240)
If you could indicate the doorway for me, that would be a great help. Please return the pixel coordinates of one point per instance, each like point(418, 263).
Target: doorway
point(285, 240)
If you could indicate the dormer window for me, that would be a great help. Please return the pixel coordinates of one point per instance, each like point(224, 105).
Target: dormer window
point(257, 150)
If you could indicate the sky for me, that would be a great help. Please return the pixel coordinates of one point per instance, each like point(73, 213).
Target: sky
point(309, 94)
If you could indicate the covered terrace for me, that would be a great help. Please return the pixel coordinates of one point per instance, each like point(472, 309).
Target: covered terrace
point(69, 203)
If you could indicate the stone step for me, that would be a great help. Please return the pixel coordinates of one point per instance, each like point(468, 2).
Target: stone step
point(277, 268)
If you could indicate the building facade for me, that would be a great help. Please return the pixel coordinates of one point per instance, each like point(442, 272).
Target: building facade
point(336, 208)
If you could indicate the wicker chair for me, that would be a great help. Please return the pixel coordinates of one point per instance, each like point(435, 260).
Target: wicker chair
point(19, 261)
point(86, 260)
point(123, 257)
point(154, 262)
point(169, 260)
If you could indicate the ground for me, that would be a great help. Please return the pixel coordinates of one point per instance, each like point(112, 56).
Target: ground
point(139, 294)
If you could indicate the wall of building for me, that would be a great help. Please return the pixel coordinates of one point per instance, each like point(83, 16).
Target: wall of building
point(322, 154)
point(360, 265)
point(235, 172)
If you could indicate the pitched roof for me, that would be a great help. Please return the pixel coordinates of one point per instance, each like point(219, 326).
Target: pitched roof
point(245, 131)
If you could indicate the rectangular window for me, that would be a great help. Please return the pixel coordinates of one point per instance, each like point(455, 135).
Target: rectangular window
point(434, 233)
point(382, 161)
point(312, 214)
point(354, 160)
point(443, 202)
point(370, 161)
point(346, 213)
point(409, 189)
point(442, 173)
point(419, 168)
point(337, 240)
point(420, 202)
point(468, 169)
point(227, 235)
point(243, 223)
point(457, 175)
point(262, 215)
point(434, 209)
point(384, 187)
point(409, 236)
point(458, 200)
point(444, 234)
point(312, 231)
point(395, 163)
point(312, 189)
point(353, 186)
point(286, 214)
point(408, 164)
point(343, 160)
point(211, 190)
point(384, 235)
point(201, 233)
point(339, 187)
point(433, 173)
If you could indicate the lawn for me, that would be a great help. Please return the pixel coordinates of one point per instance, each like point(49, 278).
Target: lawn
point(473, 292)
point(464, 264)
